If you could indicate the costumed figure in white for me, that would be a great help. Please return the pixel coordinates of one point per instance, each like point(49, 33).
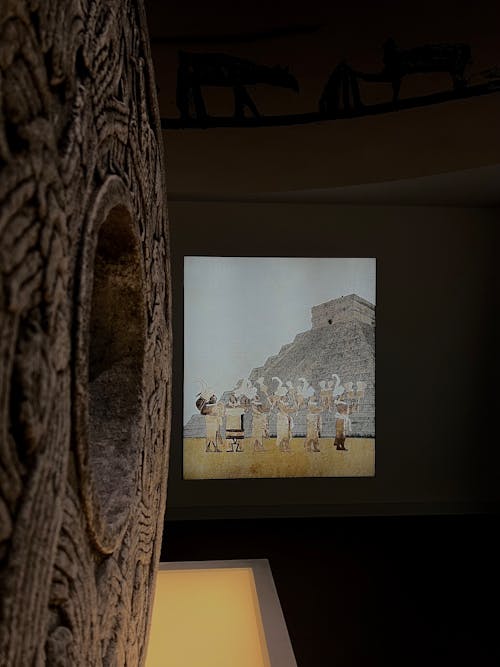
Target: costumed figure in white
point(260, 426)
point(284, 424)
point(213, 412)
point(313, 422)
point(336, 387)
point(304, 392)
point(346, 404)
point(342, 424)
point(280, 392)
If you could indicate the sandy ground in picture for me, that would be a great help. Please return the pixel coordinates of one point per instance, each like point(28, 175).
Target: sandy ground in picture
point(358, 461)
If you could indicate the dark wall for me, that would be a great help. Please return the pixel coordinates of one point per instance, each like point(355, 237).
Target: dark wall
point(423, 141)
point(436, 357)
point(373, 591)
point(370, 592)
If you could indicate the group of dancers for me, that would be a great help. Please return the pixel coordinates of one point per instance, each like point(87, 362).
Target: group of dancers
point(286, 400)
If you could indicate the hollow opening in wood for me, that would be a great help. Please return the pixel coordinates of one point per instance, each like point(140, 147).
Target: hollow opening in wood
point(115, 366)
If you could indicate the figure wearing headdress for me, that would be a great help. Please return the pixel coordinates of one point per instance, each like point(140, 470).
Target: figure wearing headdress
point(342, 424)
point(260, 429)
point(284, 424)
point(213, 411)
point(348, 403)
point(313, 423)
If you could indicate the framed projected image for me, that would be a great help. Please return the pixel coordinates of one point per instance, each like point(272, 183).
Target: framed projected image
point(279, 367)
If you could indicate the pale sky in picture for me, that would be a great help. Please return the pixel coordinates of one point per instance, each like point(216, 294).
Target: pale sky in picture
point(238, 311)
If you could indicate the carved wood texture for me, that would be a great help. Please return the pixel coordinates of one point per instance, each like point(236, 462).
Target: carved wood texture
point(85, 342)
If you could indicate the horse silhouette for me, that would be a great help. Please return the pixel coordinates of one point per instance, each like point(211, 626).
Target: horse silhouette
point(450, 58)
point(196, 70)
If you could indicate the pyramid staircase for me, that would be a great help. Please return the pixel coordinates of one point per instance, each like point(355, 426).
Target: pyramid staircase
point(339, 342)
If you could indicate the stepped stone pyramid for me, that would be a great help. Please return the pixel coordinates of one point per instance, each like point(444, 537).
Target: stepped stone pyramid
point(342, 341)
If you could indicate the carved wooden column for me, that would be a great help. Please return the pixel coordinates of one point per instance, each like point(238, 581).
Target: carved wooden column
point(84, 333)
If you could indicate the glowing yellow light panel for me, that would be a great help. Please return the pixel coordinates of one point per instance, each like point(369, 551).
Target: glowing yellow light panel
point(207, 618)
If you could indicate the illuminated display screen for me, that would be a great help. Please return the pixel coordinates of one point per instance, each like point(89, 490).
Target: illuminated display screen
point(279, 367)
point(217, 614)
